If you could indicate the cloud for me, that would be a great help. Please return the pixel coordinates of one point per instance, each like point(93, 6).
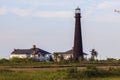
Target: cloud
point(44, 14)
point(3, 10)
point(105, 18)
point(103, 10)
point(53, 14)
point(32, 13)
point(42, 2)
point(20, 12)
point(108, 4)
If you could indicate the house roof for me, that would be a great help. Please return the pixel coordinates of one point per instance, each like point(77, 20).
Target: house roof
point(69, 52)
point(29, 51)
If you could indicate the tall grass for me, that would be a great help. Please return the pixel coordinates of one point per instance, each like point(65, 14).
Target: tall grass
point(91, 73)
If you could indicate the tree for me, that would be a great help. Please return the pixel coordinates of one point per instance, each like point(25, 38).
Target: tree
point(61, 57)
point(93, 54)
point(58, 57)
point(51, 58)
point(55, 57)
point(4, 60)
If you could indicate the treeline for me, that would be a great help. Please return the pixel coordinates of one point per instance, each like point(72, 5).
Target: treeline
point(20, 62)
point(26, 61)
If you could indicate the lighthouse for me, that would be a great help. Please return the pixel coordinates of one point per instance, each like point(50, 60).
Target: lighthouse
point(78, 47)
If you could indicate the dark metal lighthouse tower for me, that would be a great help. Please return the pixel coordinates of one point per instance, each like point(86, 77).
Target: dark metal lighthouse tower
point(78, 48)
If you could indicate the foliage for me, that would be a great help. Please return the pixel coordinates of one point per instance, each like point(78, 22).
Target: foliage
point(4, 60)
point(74, 73)
point(111, 59)
point(51, 58)
point(55, 57)
point(20, 60)
point(94, 54)
point(71, 62)
point(91, 72)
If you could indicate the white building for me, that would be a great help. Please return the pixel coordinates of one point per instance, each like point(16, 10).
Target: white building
point(66, 55)
point(33, 53)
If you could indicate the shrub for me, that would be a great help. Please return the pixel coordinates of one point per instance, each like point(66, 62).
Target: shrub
point(72, 72)
point(91, 67)
point(4, 60)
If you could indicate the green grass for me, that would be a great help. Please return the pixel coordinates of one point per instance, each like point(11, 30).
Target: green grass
point(25, 69)
point(31, 75)
point(91, 73)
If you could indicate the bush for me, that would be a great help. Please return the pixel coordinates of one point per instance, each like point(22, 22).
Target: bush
point(4, 60)
point(72, 72)
point(91, 67)
point(20, 60)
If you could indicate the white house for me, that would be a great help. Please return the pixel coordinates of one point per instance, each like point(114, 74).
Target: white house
point(66, 55)
point(33, 53)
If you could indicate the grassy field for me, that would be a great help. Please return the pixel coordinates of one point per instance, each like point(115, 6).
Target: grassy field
point(25, 69)
point(90, 73)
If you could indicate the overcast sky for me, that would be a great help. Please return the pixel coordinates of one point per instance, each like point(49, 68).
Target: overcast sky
point(49, 24)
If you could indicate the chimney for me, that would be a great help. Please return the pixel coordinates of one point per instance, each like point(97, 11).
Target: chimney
point(34, 46)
